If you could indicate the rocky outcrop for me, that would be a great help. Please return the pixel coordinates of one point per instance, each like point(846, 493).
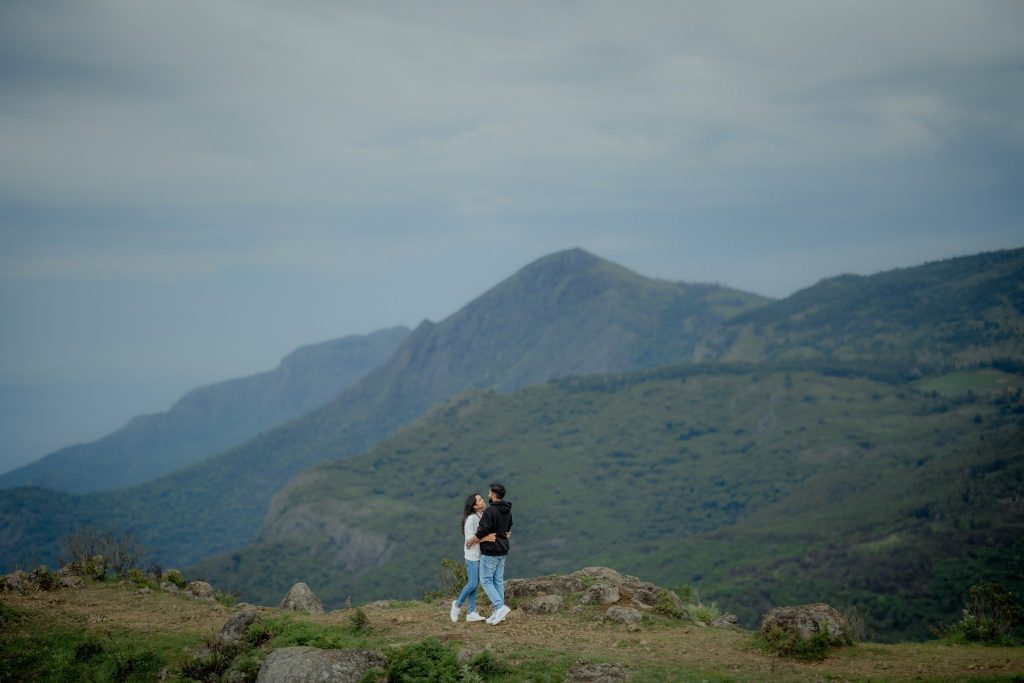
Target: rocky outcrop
point(726, 621)
point(301, 599)
point(597, 673)
point(312, 665)
point(805, 622)
point(597, 586)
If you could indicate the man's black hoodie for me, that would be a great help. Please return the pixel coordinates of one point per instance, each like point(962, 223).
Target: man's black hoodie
point(497, 518)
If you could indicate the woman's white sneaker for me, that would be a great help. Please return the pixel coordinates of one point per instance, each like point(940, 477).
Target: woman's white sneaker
point(455, 611)
point(474, 616)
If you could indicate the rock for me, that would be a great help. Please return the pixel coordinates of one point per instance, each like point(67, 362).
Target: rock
point(142, 591)
point(726, 621)
point(623, 615)
point(544, 604)
point(169, 587)
point(312, 665)
point(15, 582)
point(200, 590)
point(301, 599)
point(601, 594)
point(597, 673)
point(66, 570)
point(71, 582)
point(235, 628)
point(805, 621)
point(644, 596)
point(555, 584)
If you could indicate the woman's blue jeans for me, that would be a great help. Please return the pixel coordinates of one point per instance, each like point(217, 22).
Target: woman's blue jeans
point(469, 592)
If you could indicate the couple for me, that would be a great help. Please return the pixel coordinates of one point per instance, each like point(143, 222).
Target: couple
point(486, 533)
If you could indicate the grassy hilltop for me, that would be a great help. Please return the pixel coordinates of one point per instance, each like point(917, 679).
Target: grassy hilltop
point(108, 631)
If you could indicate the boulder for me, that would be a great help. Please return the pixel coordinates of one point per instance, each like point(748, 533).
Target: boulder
point(142, 591)
point(301, 599)
point(601, 594)
point(71, 581)
point(235, 628)
point(726, 621)
point(805, 622)
point(544, 604)
point(597, 673)
point(169, 587)
point(66, 570)
point(312, 665)
point(15, 582)
point(200, 590)
point(623, 615)
point(555, 584)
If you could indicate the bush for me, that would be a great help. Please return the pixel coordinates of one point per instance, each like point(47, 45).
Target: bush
point(211, 661)
point(429, 661)
point(120, 550)
point(137, 576)
point(665, 605)
point(992, 617)
point(451, 577)
point(702, 612)
point(792, 645)
point(359, 622)
point(175, 577)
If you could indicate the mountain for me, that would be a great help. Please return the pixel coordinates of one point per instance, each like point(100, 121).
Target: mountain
point(929, 319)
point(211, 419)
point(759, 487)
point(570, 312)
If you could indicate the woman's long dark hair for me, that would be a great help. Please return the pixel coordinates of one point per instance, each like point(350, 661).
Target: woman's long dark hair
point(467, 510)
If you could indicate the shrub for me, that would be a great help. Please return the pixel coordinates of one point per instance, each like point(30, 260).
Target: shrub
point(46, 580)
point(787, 644)
point(487, 666)
point(702, 612)
point(211, 661)
point(120, 549)
point(451, 577)
point(429, 661)
point(665, 605)
point(175, 577)
point(137, 576)
point(992, 616)
point(359, 622)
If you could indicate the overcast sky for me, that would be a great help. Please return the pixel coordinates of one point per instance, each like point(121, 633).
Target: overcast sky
point(190, 190)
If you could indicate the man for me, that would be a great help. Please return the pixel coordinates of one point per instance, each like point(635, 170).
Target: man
point(497, 520)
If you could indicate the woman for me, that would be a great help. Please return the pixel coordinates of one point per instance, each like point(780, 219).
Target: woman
point(471, 511)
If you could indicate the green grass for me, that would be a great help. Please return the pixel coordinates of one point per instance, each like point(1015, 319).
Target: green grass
point(35, 649)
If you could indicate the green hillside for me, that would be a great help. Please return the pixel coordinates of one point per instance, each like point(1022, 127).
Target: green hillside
point(570, 312)
point(211, 419)
point(758, 486)
point(930, 319)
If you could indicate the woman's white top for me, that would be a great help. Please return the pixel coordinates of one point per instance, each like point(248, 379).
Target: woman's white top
point(469, 530)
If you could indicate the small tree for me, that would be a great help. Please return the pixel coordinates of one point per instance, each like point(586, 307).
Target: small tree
point(120, 549)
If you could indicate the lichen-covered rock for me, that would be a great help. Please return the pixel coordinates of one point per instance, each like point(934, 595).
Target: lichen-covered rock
point(544, 604)
point(312, 665)
point(301, 599)
point(623, 615)
point(597, 673)
point(235, 628)
point(71, 581)
point(805, 622)
point(200, 590)
point(16, 582)
point(555, 584)
point(169, 587)
point(726, 621)
point(601, 594)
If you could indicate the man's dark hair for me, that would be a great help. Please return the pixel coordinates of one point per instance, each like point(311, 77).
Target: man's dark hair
point(498, 490)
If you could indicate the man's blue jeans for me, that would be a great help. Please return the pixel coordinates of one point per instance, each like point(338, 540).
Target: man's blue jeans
point(469, 592)
point(492, 576)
